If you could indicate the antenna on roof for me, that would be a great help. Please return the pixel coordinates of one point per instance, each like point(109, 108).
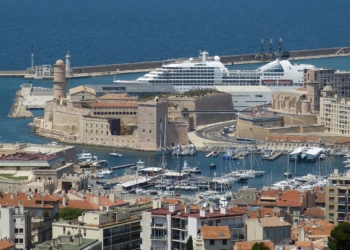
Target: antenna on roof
point(279, 43)
point(270, 48)
point(32, 57)
point(261, 44)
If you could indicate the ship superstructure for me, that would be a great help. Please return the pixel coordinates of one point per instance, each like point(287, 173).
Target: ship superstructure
point(198, 74)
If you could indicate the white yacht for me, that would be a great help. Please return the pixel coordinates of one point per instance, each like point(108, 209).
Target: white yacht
point(204, 73)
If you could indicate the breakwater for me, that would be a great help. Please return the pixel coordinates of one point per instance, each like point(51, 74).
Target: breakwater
point(233, 59)
point(111, 69)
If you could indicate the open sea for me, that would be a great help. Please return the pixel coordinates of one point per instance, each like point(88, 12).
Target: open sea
point(105, 32)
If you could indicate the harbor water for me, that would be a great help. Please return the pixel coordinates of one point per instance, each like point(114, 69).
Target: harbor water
point(14, 130)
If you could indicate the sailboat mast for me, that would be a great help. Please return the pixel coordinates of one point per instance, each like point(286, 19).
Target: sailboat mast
point(165, 121)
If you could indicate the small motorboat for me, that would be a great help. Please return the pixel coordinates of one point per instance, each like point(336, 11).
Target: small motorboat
point(215, 154)
point(116, 154)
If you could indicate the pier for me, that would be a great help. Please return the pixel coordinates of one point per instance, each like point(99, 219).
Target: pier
point(275, 156)
point(210, 154)
point(239, 154)
point(123, 166)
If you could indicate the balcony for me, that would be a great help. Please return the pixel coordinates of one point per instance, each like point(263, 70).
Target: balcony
point(233, 226)
point(341, 210)
point(179, 227)
point(341, 202)
point(341, 194)
point(158, 237)
point(155, 225)
point(341, 219)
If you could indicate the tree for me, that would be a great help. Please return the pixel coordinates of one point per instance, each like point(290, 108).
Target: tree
point(260, 246)
point(189, 245)
point(340, 237)
point(68, 213)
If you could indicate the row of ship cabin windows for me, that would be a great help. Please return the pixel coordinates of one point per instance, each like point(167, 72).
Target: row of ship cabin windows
point(115, 113)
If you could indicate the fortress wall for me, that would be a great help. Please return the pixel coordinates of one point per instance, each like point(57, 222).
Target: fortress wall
point(214, 102)
point(221, 101)
point(177, 133)
point(299, 119)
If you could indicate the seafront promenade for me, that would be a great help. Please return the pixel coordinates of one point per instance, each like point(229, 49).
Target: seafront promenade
point(112, 69)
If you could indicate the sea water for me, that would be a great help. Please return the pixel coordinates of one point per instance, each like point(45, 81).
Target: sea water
point(109, 31)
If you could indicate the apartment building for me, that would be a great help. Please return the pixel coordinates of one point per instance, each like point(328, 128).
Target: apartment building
point(212, 238)
point(269, 228)
point(70, 242)
point(16, 225)
point(169, 228)
point(43, 209)
point(334, 111)
point(338, 80)
point(338, 197)
point(117, 229)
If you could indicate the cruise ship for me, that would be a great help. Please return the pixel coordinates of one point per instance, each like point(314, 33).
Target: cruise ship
point(203, 73)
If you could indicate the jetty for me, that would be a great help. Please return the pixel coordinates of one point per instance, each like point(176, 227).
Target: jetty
point(236, 156)
point(123, 166)
point(275, 156)
point(210, 154)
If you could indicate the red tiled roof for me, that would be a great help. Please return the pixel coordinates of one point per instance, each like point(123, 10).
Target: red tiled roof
point(314, 228)
point(303, 243)
point(314, 212)
point(20, 156)
point(215, 232)
point(343, 140)
point(271, 193)
point(320, 197)
point(35, 201)
point(239, 209)
point(263, 212)
point(5, 244)
point(249, 245)
point(84, 202)
point(290, 198)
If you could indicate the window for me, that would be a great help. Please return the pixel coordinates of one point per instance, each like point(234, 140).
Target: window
point(212, 242)
point(224, 242)
point(16, 230)
point(284, 232)
point(267, 232)
point(275, 232)
point(150, 131)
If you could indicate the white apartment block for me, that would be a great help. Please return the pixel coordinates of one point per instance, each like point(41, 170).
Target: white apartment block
point(16, 225)
point(170, 228)
point(116, 230)
point(334, 112)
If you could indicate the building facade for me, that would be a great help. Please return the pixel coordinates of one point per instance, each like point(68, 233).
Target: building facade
point(170, 228)
point(337, 197)
point(115, 229)
point(16, 225)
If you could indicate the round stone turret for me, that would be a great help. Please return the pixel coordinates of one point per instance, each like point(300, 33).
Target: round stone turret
point(59, 80)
